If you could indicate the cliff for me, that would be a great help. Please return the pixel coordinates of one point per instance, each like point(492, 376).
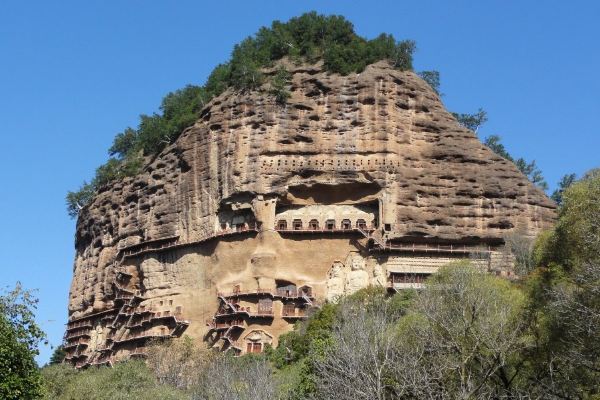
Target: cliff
point(219, 206)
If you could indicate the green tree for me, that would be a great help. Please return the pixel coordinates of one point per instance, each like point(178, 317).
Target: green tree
point(58, 355)
point(124, 143)
point(279, 85)
point(19, 339)
point(472, 121)
point(493, 142)
point(566, 304)
point(79, 199)
point(529, 169)
point(463, 337)
point(566, 181)
point(433, 79)
point(125, 381)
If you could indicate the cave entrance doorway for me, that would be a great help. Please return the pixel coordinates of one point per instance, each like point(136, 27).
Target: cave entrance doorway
point(297, 224)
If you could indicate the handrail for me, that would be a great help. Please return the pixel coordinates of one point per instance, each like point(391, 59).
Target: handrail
point(177, 244)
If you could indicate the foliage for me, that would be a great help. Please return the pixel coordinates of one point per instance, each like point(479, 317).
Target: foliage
point(58, 355)
point(472, 121)
point(565, 292)
point(529, 169)
point(521, 247)
point(433, 79)
point(177, 362)
point(19, 340)
point(78, 199)
point(577, 233)
point(566, 181)
point(468, 333)
point(127, 380)
point(228, 378)
point(294, 357)
point(279, 84)
point(309, 37)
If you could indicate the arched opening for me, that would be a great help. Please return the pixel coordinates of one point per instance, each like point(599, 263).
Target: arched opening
point(346, 224)
point(361, 224)
point(330, 224)
point(297, 224)
point(313, 224)
point(240, 227)
point(282, 225)
point(256, 341)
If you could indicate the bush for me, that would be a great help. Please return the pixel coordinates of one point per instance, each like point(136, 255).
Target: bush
point(125, 381)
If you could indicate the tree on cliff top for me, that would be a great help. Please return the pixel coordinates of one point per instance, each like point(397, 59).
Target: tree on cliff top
point(307, 38)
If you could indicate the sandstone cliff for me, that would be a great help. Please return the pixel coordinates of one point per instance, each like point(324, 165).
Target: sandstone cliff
point(379, 139)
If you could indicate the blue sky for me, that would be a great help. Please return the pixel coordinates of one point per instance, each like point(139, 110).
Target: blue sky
point(73, 74)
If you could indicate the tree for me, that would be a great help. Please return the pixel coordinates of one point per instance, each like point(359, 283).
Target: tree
point(566, 291)
point(58, 355)
point(472, 121)
point(433, 79)
point(363, 350)
point(19, 340)
point(565, 182)
point(125, 381)
point(493, 142)
point(532, 172)
point(577, 232)
point(521, 247)
point(466, 329)
point(529, 169)
point(124, 143)
point(229, 378)
point(79, 199)
point(177, 362)
point(279, 85)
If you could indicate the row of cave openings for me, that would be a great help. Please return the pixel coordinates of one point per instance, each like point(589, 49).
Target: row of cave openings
point(330, 225)
point(240, 310)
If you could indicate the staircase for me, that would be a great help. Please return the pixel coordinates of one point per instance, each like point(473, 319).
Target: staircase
point(379, 241)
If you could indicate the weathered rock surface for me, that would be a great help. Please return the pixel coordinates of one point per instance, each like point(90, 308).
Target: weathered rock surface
point(378, 142)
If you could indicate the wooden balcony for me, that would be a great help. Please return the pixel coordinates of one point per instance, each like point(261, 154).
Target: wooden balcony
point(79, 324)
point(245, 311)
point(75, 343)
point(77, 334)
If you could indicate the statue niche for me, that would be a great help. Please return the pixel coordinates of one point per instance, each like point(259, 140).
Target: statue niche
point(349, 277)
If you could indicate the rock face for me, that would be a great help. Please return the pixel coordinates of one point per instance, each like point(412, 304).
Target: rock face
point(260, 211)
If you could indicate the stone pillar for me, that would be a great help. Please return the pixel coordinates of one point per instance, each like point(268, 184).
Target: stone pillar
point(264, 211)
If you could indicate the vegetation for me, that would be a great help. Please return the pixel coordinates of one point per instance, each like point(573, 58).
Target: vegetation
point(529, 169)
point(19, 339)
point(58, 355)
point(433, 79)
point(566, 181)
point(472, 121)
point(126, 381)
point(310, 37)
point(466, 335)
